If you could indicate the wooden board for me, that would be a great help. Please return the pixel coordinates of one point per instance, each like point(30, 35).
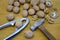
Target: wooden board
point(54, 29)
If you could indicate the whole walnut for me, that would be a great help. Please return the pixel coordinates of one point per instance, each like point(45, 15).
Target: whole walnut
point(31, 11)
point(34, 2)
point(42, 6)
point(10, 2)
point(28, 0)
point(16, 9)
point(22, 1)
point(40, 14)
point(36, 8)
point(16, 4)
point(28, 34)
point(24, 13)
point(26, 6)
point(9, 8)
point(43, 1)
point(18, 24)
point(10, 16)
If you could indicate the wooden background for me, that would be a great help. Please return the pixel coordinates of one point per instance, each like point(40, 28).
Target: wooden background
point(54, 29)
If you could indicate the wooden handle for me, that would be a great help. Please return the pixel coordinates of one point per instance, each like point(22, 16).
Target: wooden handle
point(49, 36)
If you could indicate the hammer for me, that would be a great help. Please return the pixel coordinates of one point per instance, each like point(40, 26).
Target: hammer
point(38, 24)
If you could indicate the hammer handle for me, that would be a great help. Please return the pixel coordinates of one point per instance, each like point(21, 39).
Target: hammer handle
point(48, 35)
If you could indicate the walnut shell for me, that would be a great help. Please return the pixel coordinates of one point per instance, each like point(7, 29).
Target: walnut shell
point(50, 20)
point(35, 17)
point(46, 10)
point(54, 14)
point(49, 3)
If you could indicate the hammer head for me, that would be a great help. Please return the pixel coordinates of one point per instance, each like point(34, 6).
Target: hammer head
point(37, 24)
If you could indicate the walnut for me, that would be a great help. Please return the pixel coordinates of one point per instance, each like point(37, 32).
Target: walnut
point(28, 0)
point(36, 7)
point(31, 11)
point(10, 17)
point(18, 24)
point(16, 9)
point(28, 34)
point(10, 2)
point(26, 6)
point(16, 4)
point(40, 14)
point(9, 8)
point(42, 1)
point(42, 6)
point(34, 2)
point(24, 13)
point(22, 1)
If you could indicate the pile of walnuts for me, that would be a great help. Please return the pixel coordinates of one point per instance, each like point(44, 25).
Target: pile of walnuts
point(34, 8)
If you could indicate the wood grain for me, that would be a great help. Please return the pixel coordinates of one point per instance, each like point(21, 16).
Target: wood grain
point(54, 29)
